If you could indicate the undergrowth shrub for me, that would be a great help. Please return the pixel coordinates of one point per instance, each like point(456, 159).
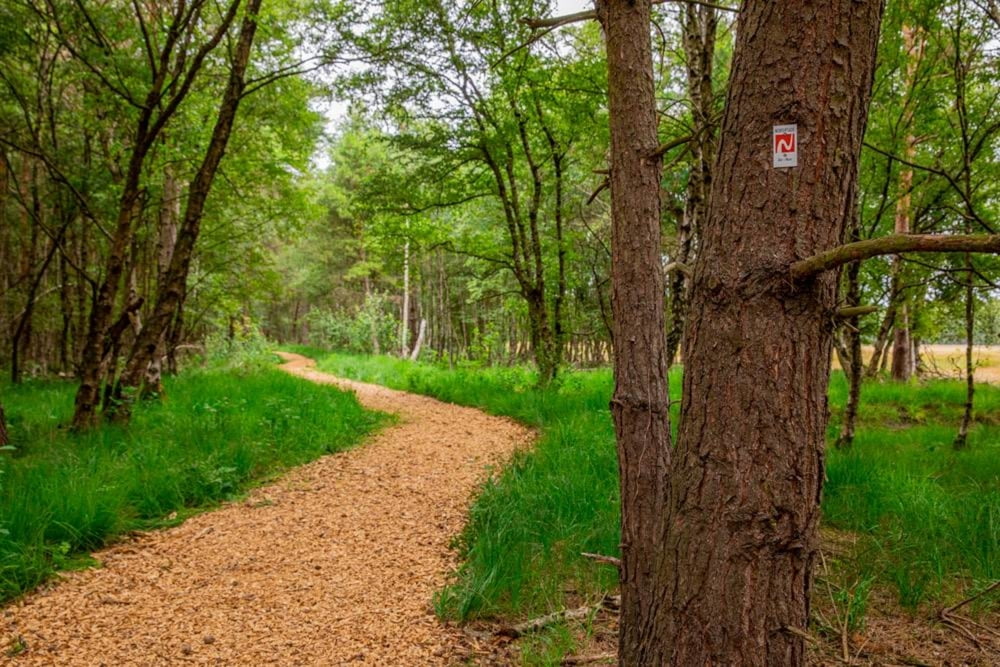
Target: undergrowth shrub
point(356, 331)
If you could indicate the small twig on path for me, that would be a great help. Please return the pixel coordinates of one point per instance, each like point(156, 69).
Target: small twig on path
point(609, 602)
point(588, 659)
point(989, 589)
point(960, 624)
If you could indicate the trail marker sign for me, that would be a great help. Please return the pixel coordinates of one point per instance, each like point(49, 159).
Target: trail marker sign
point(786, 146)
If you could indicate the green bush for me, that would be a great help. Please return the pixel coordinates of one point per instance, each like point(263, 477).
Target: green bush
point(356, 332)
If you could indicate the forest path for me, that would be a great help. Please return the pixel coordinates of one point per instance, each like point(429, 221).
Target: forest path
point(335, 563)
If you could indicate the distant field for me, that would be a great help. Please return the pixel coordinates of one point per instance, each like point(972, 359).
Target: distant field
point(949, 360)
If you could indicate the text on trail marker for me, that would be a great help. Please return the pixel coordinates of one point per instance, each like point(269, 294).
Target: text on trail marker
point(785, 144)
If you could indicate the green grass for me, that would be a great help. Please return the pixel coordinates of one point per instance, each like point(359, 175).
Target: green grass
point(927, 518)
point(216, 433)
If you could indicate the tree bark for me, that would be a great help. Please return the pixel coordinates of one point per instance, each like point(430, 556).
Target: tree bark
point(717, 545)
point(421, 332)
point(4, 434)
point(854, 367)
point(640, 404)
point(962, 437)
point(159, 106)
point(699, 48)
point(173, 285)
point(748, 473)
point(404, 320)
point(882, 339)
point(902, 344)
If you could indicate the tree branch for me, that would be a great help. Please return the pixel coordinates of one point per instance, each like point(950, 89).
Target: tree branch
point(893, 245)
point(665, 148)
point(566, 19)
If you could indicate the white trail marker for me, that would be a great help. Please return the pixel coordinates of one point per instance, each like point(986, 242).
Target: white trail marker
point(785, 143)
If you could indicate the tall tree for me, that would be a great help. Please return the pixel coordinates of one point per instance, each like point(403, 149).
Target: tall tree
point(173, 282)
point(719, 535)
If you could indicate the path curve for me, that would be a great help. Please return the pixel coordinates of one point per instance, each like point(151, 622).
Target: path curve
point(336, 563)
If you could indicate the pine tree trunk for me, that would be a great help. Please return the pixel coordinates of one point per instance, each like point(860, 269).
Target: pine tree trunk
point(748, 471)
point(718, 544)
point(640, 404)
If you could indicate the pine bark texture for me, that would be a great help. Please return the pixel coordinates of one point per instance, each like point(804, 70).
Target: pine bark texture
point(640, 404)
point(718, 543)
point(748, 472)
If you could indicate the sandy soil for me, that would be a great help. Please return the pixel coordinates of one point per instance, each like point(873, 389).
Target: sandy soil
point(334, 564)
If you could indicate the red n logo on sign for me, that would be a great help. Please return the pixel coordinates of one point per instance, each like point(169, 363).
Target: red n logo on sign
point(784, 143)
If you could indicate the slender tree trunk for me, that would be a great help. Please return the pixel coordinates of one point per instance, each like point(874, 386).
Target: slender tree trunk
point(404, 325)
point(93, 359)
point(962, 438)
point(542, 336)
point(855, 367)
point(175, 335)
point(24, 322)
point(903, 361)
point(640, 403)
point(4, 435)
point(880, 351)
point(902, 344)
point(421, 332)
point(66, 313)
point(718, 544)
point(156, 111)
point(699, 29)
point(173, 286)
point(558, 311)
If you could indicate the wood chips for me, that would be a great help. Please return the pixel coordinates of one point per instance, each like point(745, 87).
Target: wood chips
point(334, 564)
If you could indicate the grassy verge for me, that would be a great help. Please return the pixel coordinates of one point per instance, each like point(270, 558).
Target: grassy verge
point(924, 519)
point(216, 433)
point(927, 516)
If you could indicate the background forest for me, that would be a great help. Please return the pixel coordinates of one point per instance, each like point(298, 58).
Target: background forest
point(459, 194)
point(184, 184)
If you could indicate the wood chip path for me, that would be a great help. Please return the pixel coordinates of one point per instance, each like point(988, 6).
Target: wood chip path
point(336, 563)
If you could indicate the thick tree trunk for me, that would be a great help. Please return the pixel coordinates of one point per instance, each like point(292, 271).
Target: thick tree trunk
point(749, 460)
point(717, 545)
